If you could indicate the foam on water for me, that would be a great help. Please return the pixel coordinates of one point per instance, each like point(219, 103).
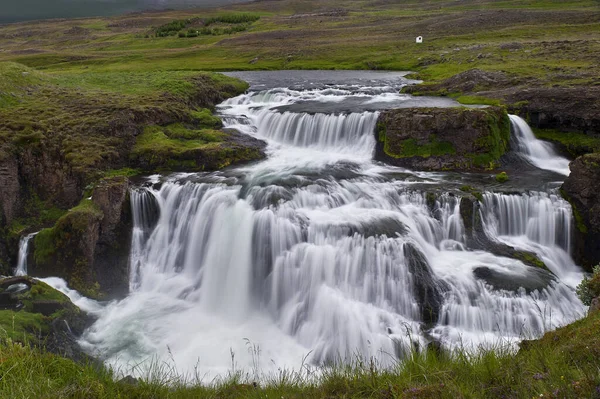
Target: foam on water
point(317, 256)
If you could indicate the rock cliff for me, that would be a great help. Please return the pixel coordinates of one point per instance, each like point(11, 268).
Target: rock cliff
point(582, 189)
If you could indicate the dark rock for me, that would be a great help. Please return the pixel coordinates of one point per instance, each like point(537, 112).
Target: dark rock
point(536, 279)
point(477, 239)
point(443, 138)
point(111, 255)
point(468, 81)
point(9, 194)
point(582, 190)
point(47, 308)
point(67, 249)
point(561, 108)
point(428, 290)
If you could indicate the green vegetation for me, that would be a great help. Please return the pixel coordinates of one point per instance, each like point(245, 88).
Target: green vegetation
point(495, 144)
point(62, 250)
point(502, 177)
point(575, 143)
point(530, 259)
point(561, 364)
point(234, 23)
point(589, 288)
point(28, 326)
point(579, 223)
point(411, 148)
point(232, 18)
point(172, 28)
point(476, 100)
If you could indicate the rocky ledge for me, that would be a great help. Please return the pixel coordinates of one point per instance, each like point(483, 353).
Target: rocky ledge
point(581, 189)
point(443, 138)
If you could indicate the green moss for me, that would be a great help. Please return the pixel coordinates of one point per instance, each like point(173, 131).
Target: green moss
point(476, 100)
point(127, 172)
point(502, 177)
point(530, 259)
point(473, 192)
point(205, 118)
point(575, 143)
point(412, 148)
point(44, 246)
point(579, 223)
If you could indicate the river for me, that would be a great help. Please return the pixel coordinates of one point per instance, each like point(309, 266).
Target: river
point(319, 255)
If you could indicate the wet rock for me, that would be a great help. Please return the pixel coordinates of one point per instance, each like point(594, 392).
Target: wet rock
point(456, 138)
point(428, 291)
point(535, 279)
point(477, 239)
point(581, 189)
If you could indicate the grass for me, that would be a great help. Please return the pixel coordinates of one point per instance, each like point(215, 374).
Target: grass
point(574, 143)
point(458, 36)
point(561, 364)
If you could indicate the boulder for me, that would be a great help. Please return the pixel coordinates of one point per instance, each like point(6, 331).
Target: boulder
point(443, 138)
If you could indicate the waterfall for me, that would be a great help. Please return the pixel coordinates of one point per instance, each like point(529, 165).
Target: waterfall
point(342, 133)
point(317, 255)
point(337, 269)
point(536, 222)
point(537, 152)
point(21, 269)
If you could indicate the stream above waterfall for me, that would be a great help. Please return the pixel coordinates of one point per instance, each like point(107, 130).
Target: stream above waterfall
point(319, 255)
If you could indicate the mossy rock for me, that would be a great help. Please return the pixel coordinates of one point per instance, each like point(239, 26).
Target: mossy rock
point(67, 248)
point(457, 138)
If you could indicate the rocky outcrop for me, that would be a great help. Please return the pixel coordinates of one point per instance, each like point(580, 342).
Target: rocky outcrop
point(581, 190)
point(111, 254)
point(443, 138)
point(9, 194)
point(41, 316)
point(559, 107)
point(89, 246)
point(428, 290)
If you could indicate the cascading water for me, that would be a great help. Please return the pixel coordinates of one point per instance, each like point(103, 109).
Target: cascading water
point(21, 269)
point(537, 152)
point(317, 254)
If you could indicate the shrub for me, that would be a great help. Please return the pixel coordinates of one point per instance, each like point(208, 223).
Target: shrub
point(589, 288)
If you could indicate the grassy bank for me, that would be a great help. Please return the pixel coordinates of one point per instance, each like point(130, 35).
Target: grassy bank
point(547, 41)
point(560, 365)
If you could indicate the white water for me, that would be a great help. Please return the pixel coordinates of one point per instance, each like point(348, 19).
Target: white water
point(316, 255)
point(537, 152)
point(21, 269)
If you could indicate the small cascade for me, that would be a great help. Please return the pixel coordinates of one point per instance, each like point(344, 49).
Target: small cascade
point(350, 133)
point(21, 269)
point(537, 152)
point(536, 222)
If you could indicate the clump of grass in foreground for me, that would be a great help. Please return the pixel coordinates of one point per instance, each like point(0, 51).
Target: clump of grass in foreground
point(562, 364)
